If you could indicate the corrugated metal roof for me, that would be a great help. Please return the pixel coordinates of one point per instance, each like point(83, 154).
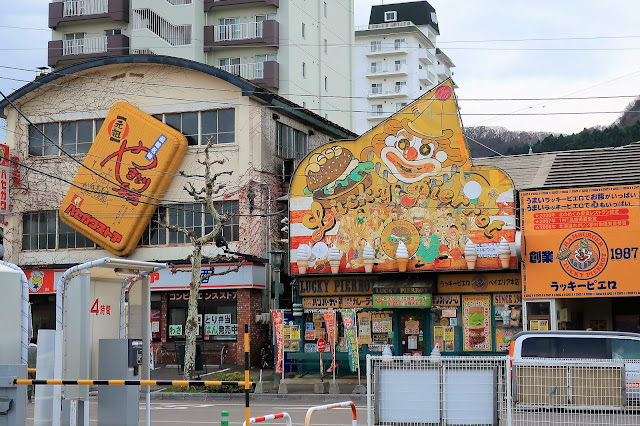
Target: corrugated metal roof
point(570, 169)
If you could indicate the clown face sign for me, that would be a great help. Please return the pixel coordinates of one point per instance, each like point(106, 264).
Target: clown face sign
point(404, 190)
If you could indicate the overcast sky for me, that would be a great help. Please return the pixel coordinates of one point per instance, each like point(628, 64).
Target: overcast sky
point(502, 49)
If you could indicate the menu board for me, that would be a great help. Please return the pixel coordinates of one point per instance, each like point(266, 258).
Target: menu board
point(364, 332)
point(476, 319)
point(504, 337)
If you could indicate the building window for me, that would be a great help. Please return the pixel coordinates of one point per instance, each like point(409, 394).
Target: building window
point(399, 65)
point(376, 67)
point(390, 16)
point(400, 86)
point(192, 217)
point(267, 17)
point(325, 9)
point(112, 32)
point(304, 70)
point(399, 43)
point(216, 126)
point(376, 46)
point(44, 231)
point(43, 139)
point(264, 58)
point(325, 45)
point(376, 88)
point(303, 35)
point(77, 136)
point(400, 105)
point(304, 104)
point(326, 83)
point(290, 143)
point(376, 109)
point(230, 65)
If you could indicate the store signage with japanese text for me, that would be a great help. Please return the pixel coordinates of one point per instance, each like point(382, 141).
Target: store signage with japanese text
point(5, 167)
point(349, 322)
point(479, 283)
point(445, 300)
point(336, 302)
point(329, 286)
point(219, 325)
point(401, 301)
point(581, 242)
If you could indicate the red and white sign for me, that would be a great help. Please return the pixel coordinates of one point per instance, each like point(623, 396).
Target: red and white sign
point(43, 281)
point(322, 345)
point(4, 155)
point(99, 309)
point(278, 329)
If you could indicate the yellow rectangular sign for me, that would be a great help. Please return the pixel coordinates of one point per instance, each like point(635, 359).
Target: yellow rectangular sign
point(479, 283)
point(128, 168)
point(581, 242)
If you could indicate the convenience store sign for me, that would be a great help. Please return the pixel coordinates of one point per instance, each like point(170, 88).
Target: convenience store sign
point(401, 300)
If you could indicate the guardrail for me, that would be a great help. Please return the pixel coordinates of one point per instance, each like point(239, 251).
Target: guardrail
point(354, 414)
point(270, 417)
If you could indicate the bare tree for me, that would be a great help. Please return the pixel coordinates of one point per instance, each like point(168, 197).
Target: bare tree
point(207, 194)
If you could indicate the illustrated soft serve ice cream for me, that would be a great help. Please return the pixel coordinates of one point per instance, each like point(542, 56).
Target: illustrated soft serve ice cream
point(504, 252)
point(402, 257)
point(303, 254)
point(470, 254)
point(334, 259)
point(369, 257)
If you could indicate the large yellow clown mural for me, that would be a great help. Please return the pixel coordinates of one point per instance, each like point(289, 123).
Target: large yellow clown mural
point(403, 196)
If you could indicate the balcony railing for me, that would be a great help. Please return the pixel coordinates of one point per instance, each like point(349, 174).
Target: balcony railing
point(251, 71)
point(175, 35)
point(244, 31)
point(84, 46)
point(391, 69)
point(376, 49)
point(85, 7)
point(384, 26)
point(388, 91)
point(426, 56)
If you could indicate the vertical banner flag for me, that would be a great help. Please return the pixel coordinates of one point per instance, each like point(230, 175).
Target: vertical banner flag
point(4, 179)
point(349, 322)
point(330, 324)
point(278, 330)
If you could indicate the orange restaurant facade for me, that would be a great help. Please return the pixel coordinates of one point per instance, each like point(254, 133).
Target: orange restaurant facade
point(399, 226)
point(580, 258)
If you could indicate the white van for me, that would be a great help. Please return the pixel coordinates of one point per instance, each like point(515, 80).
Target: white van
point(606, 345)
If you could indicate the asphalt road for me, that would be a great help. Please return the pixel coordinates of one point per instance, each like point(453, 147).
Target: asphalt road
point(169, 413)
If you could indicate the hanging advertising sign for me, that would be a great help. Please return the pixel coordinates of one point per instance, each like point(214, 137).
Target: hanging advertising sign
point(581, 242)
point(129, 166)
point(364, 332)
point(349, 322)
point(479, 283)
point(476, 318)
point(330, 323)
point(401, 301)
point(278, 330)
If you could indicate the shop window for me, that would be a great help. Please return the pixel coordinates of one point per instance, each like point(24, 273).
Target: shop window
point(177, 319)
point(217, 315)
point(315, 328)
point(77, 137)
point(70, 238)
point(39, 230)
point(203, 127)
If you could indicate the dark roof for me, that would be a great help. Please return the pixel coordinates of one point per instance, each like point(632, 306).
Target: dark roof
point(418, 12)
point(278, 103)
point(571, 169)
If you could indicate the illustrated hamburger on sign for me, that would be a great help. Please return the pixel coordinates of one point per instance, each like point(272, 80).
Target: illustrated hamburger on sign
point(409, 180)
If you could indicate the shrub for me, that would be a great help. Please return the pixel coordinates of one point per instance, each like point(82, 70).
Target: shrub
point(223, 377)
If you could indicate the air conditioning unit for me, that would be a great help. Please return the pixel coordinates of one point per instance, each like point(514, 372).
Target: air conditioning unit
point(263, 318)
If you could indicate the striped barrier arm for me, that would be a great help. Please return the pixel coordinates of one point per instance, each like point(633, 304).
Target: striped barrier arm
point(31, 370)
point(129, 382)
point(270, 417)
point(354, 415)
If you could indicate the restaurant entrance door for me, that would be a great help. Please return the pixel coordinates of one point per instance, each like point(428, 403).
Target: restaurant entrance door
point(412, 332)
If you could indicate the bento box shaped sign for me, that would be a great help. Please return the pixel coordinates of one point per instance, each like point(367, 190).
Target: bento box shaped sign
point(127, 170)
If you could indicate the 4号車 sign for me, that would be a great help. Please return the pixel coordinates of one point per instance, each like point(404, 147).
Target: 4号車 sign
point(581, 242)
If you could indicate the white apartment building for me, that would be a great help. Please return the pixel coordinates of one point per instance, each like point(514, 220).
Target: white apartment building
point(396, 60)
point(298, 48)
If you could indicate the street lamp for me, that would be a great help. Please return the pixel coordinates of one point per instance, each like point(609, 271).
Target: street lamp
point(276, 264)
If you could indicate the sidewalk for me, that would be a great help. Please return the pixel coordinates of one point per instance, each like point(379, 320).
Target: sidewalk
point(297, 385)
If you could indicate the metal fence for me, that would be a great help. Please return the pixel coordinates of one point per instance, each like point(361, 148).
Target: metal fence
point(499, 391)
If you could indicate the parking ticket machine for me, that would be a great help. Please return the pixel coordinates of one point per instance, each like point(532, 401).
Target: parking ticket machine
point(119, 359)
